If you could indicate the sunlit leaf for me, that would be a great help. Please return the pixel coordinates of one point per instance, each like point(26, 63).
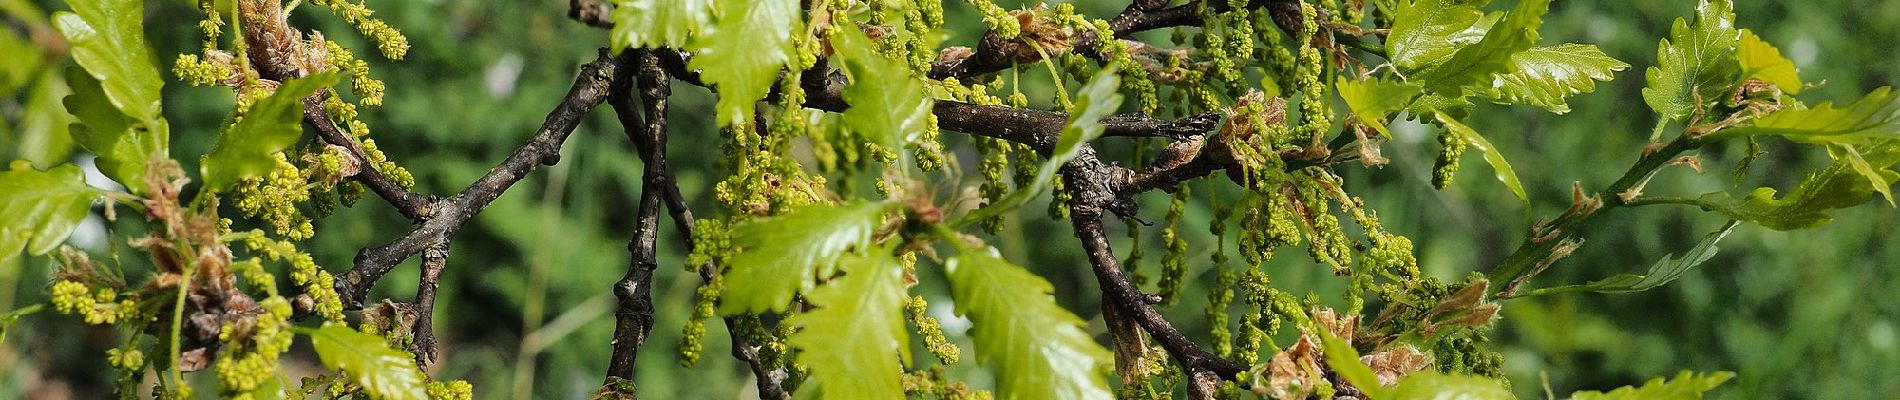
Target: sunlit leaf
point(1874, 117)
point(657, 23)
point(1686, 386)
point(1546, 75)
point(1475, 64)
point(1807, 206)
point(38, 209)
point(1876, 176)
point(271, 125)
point(1037, 349)
point(1424, 31)
point(1434, 385)
point(1661, 273)
point(742, 55)
point(784, 255)
point(41, 136)
point(886, 102)
point(1693, 66)
point(383, 372)
point(1760, 60)
point(1370, 100)
point(124, 145)
point(1499, 165)
point(1096, 100)
point(108, 39)
point(854, 341)
point(1345, 360)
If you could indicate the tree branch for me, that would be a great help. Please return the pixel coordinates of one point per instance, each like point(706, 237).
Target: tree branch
point(433, 260)
point(633, 319)
point(1140, 16)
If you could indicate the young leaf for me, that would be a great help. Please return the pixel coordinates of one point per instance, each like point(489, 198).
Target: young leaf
point(38, 209)
point(1663, 272)
point(1474, 64)
point(1875, 117)
point(657, 23)
point(124, 145)
point(1876, 176)
point(742, 53)
point(1423, 31)
point(1693, 66)
point(1499, 165)
point(41, 134)
point(1686, 386)
point(1037, 349)
point(1345, 360)
point(1763, 61)
point(1436, 385)
point(887, 103)
point(783, 255)
point(383, 372)
point(272, 125)
point(108, 38)
point(1370, 100)
point(1096, 100)
point(1837, 186)
point(1546, 75)
point(854, 341)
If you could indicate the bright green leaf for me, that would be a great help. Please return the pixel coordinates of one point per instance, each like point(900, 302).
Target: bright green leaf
point(1546, 75)
point(854, 341)
point(1499, 165)
point(1434, 385)
point(1693, 66)
point(1686, 386)
point(1807, 206)
point(124, 145)
point(1875, 117)
point(657, 23)
point(38, 209)
point(1475, 64)
point(271, 125)
point(1663, 272)
point(1424, 32)
point(1037, 349)
point(1763, 61)
point(108, 39)
point(1345, 360)
point(383, 372)
point(1876, 175)
point(886, 102)
point(1096, 100)
point(1370, 100)
point(42, 136)
point(784, 255)
point(742, 55)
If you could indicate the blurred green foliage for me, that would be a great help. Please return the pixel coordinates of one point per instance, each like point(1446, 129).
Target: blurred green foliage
point(525, 304)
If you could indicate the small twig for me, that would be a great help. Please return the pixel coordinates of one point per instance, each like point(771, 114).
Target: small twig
point(633, 319)
point(433, 260)
point(594, 13)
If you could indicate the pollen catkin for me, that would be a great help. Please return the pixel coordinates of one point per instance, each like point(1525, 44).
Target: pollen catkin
point(1445, 167)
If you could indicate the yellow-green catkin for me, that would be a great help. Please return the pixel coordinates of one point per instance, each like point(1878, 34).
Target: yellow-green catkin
point(1315, 115)
point(1174, 260)
point(1445, 167)
point(932, 330)
point(391, 42)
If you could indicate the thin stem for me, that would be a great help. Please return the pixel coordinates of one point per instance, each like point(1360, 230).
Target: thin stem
point(1650, 201)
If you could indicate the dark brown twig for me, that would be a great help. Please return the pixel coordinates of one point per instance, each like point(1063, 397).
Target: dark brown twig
point(433, 260)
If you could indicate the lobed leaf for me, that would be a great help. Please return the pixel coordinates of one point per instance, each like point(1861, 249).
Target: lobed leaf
point(108, 39)
point(657, 23)
point(1663, 272)
point(124, 145)
point(1426, 32)
point(383, 372)
point(784, 255)
point(1096, 100)
point(1370, 100)
point(1760, 60)
point(1544, 76)
point(1693, 65)
point(271, 125)
point(1686, 386)
point(742, 55)
point(854, 341)
point(1875, 117)
point(1435, 385)
point(38, 209)
point(887, 103)
point(1037, 349)
point(1476, 63)
point(1807, 206)
point(1499, 165)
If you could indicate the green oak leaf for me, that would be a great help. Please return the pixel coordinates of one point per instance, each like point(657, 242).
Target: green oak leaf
point(124, 145)
point(1370, 100)
point(657, 23)
point(1544, 76)
point(886, 102)
point(1037, 349)
point(1760, 60)
point(783, 255)
point(1875, 117)
point(1096, 100)
point(1345, 361)
point(742, 54)
point(854, 341)
point(1426, 32)
point(108, 39)
point(1876, 175)
point(38, 209)
point(1499, 165)
point(1686, 386)
point(1836, 186)
point(1437, 385)
point(41, 135)
point(1474, 65)
point(271, 125)
point(1693, 66)
point(1661, 273)
point(383, 372)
